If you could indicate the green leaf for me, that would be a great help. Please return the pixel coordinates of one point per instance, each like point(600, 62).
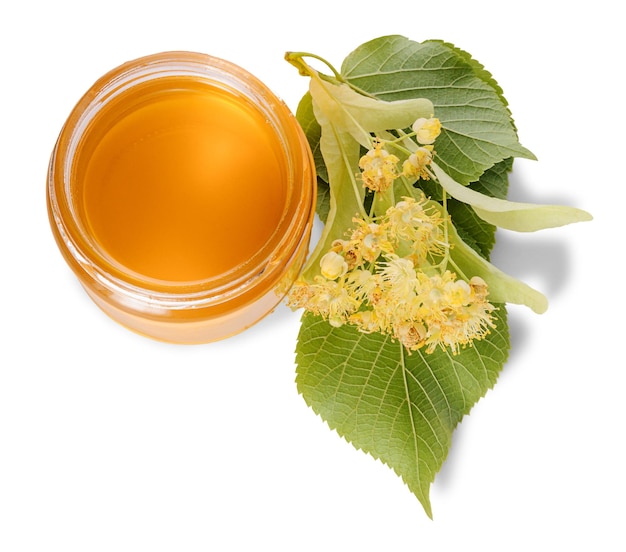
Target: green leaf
point(478, 131)
point(313, 133)
point(322, 206)
point(399, 408)
point(477, 68)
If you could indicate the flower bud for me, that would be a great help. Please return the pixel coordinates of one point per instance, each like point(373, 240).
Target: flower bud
point(426, 130)
point(333, 265)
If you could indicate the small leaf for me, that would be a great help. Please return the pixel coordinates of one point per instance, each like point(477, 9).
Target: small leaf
point(313, 132)
point(322, 206)
point(521, 217)
point(399, 408)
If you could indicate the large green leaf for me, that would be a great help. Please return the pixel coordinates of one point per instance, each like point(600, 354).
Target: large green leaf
point(478, 131)
point(400, 408)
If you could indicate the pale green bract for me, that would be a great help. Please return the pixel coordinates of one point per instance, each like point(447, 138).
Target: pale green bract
point(397, 406)
point(521, 217)
point(502, 287)
point(347, 119)
point(340, 106)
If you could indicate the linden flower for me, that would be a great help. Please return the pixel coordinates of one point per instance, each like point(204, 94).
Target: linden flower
point(415, 165)
point(349, 251)
point(478, 287)
point(366, 321)
point(426, 130)
point(407, 217)
point(420, 228)
point(300, 294)
point(333, 265)
point(370, 239)
point(400, 278)
point(335, 303)
point(362, 284)
point(458, 313)
point(326, 298)
point(411, 334)
point(379, 168)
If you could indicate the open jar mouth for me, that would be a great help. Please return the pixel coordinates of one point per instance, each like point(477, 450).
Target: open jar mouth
point(269, 266)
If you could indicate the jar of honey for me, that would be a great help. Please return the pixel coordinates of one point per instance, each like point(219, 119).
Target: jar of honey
point(181, 192)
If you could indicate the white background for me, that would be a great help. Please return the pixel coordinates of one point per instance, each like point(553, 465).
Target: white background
point(113, 442)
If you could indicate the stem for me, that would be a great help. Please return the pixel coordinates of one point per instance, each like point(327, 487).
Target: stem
point(457, 270)
point(446, 258)
point(296, 59)
point(403, 136)
point(410, 190)
point(396, 144)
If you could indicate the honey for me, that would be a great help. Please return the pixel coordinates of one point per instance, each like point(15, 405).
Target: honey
point(181, 193)
point(185, 187)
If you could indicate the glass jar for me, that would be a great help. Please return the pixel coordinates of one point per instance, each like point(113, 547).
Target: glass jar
point(181, 192)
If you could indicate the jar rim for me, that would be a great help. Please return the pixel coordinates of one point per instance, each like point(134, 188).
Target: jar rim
point(266, 264)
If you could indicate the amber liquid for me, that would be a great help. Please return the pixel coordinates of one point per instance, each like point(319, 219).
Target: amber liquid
point(182, 181)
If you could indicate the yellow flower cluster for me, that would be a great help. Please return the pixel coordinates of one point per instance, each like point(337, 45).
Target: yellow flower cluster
point(384, 278)
point(379, 168)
